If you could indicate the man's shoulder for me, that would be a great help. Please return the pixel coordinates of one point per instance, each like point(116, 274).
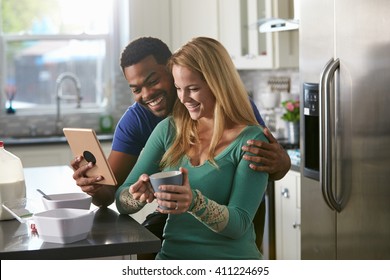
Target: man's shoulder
point(136, 108)
point(138, 111)
point(134, 129)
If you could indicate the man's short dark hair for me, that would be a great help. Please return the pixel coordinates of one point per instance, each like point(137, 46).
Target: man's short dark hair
point(142, 47)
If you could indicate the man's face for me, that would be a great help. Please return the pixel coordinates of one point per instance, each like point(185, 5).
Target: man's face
point(152, 86)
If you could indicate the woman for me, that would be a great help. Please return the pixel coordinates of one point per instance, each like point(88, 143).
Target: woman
point(211, 214)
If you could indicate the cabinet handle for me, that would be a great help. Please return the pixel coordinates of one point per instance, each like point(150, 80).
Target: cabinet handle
point(296, 225)
point(285, 193)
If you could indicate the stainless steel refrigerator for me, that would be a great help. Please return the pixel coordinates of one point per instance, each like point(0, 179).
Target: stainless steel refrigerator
point(345, 128)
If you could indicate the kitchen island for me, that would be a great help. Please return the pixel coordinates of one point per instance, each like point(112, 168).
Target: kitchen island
point(112, 234)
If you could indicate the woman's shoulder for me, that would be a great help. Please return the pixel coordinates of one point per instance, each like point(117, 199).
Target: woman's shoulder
point(165, 129)
point(254, 129)
point(254, 132)
point(167, 123)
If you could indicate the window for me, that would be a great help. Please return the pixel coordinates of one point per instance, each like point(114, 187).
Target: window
point(42, 39)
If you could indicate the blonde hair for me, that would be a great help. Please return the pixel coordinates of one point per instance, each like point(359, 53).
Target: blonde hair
point(210, 59)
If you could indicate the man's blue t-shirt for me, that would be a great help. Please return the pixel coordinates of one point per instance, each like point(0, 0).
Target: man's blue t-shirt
point(136, 125)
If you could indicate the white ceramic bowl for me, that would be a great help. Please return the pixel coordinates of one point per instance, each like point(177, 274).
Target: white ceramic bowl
point(67, 200)
point(63, 225)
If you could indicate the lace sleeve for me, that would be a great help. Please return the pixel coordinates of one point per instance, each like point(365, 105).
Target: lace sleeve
point(128, 203)
point(210, 213)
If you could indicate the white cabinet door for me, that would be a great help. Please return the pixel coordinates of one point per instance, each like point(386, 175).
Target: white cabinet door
point(232, 33)
point(287, 217)
point(232, 22)
point(285, 43)
point(193, 18)
point(249, 48)
point(150, 18)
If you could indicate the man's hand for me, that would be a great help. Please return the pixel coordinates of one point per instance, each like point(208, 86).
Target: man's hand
point(86, 183)
point(268, 157)
point(102, 195)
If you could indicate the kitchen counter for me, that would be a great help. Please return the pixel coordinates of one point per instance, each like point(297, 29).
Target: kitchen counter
point(295, 156)
point(45, 140)
point(112, 234)
point(285, 144)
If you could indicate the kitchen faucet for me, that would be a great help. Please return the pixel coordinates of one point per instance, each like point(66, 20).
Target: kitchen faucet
point(60, 96)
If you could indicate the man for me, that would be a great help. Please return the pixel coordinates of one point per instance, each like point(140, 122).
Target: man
point(143, 63)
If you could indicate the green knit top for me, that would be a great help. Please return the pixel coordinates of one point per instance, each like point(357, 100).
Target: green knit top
point(232, 186)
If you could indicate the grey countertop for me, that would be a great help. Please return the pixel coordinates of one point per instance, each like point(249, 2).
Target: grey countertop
point(295, 156)
point(296, 168)
point(294, 153)
point(45, 140)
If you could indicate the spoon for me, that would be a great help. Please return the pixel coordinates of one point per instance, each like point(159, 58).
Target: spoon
point(44, 195)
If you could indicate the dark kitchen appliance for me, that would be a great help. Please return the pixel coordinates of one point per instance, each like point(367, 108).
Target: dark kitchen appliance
point(311, 130)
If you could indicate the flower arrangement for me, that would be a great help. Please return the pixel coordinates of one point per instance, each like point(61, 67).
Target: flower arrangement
point(292, 110)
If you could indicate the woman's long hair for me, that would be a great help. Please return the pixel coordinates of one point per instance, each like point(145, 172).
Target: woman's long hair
point(210, 59)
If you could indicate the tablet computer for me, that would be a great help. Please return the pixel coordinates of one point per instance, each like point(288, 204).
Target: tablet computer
point(83, 141)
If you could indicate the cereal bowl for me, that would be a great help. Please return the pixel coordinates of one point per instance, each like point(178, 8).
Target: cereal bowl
point(67, 200)
point(63, 225)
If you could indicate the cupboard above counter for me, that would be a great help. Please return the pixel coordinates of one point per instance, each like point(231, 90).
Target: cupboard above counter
point(251, 49)
point(232, 22)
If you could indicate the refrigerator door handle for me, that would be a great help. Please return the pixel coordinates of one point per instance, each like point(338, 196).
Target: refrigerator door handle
point(322, 132)
point(326, 139)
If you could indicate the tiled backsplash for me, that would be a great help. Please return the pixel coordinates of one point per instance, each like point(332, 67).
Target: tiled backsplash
point(256, 82)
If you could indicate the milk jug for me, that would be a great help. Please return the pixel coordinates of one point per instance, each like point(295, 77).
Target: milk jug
point(12, 184)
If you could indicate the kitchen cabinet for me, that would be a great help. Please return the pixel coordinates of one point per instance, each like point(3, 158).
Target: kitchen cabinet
point(288, 216)
point(232, 22)
point(249, 48)
point(150, 18)
point(173, 21)
point(47, 155)
point(193, 18)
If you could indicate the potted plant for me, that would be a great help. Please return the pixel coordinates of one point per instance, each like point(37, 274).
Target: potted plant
point(292, 111)
point(292, 116)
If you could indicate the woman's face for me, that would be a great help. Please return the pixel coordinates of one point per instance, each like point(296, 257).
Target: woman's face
point(193, 92)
